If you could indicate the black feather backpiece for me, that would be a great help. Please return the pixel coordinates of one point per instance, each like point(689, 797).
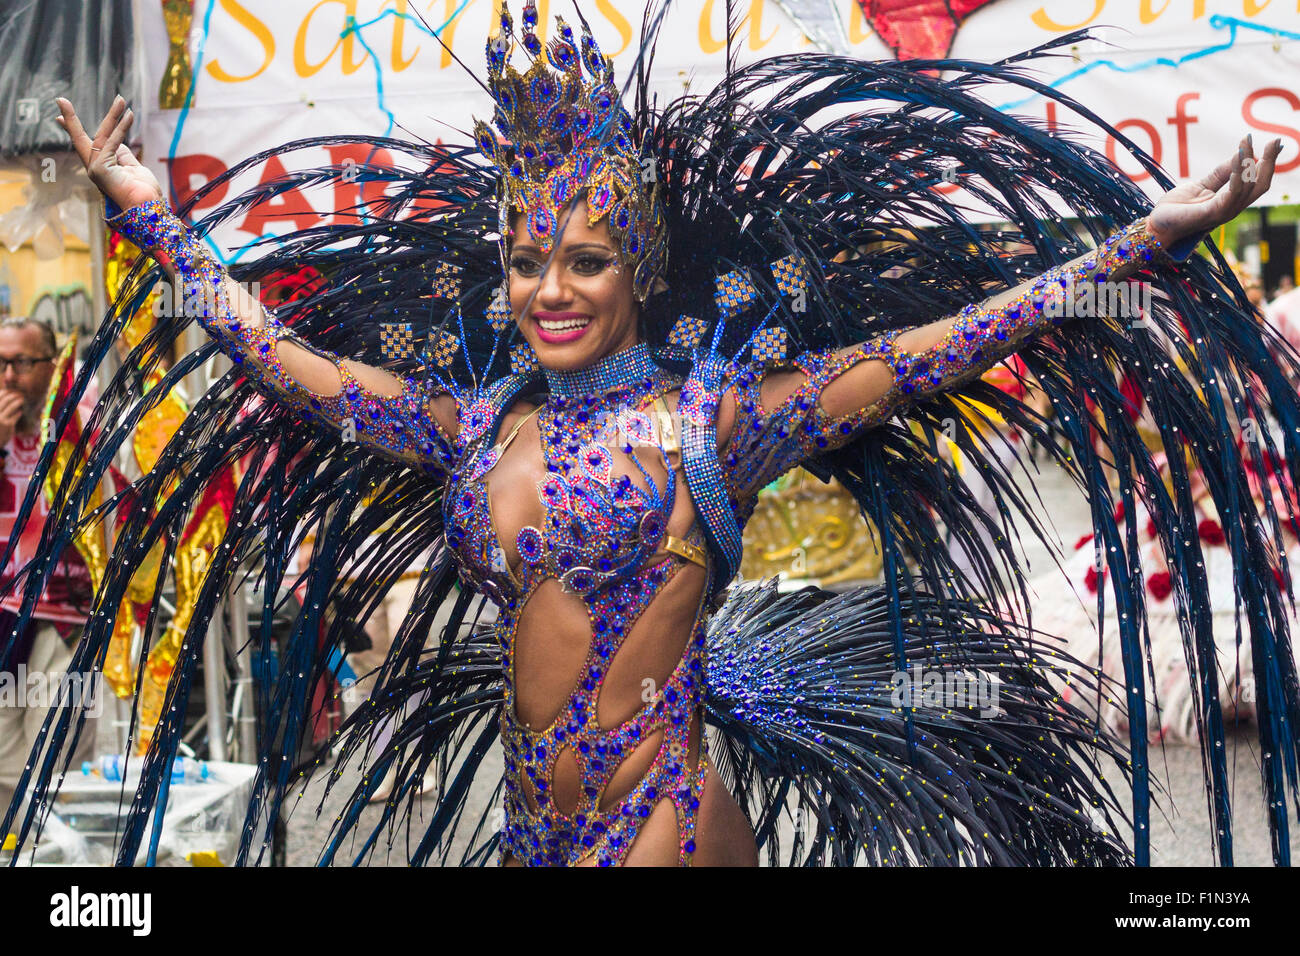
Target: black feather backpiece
point(836, 160)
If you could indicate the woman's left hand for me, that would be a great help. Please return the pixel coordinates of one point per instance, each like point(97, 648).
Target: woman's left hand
point(1196, 208)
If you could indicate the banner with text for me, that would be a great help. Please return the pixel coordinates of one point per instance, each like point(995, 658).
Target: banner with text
point(1184, 80)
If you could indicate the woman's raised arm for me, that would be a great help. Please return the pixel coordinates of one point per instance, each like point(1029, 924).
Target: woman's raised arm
point(396, 416)
point(783, 416)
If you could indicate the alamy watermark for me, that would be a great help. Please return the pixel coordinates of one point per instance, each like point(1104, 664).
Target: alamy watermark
point(1086, 300)
point(28, 111)
point(197, 301)
point(946, 689)
point(77, 909)
point(43, 690)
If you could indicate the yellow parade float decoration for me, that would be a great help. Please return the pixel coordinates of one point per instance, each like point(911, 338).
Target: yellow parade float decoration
point(92, 541)
point(178, 75)
point(805, 529)
point(199, 540)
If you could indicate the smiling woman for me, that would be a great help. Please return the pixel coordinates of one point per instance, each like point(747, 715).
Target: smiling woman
point(578, 305)
point(773, 295)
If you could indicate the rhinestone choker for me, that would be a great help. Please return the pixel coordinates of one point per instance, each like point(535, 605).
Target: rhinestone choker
point(621, 368)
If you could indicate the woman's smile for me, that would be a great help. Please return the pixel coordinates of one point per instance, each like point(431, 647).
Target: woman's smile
point(560, 327)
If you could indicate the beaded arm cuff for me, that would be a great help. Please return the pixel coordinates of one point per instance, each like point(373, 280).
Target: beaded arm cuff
point(400, 426)
point(981, 337)
point(765, 445)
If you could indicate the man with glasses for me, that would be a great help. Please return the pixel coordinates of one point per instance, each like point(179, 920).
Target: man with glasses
point(27, 359)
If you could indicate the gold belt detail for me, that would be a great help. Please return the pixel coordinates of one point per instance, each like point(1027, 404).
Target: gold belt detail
point(684, 549)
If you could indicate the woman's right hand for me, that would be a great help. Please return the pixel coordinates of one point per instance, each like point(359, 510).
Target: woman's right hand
point(110, 164)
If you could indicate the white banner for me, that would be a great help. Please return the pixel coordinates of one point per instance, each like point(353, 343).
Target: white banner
point(1185, 79)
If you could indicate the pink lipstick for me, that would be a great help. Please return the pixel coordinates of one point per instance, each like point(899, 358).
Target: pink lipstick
point(556, 328)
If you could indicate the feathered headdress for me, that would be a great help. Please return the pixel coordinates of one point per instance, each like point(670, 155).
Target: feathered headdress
point(569, 138)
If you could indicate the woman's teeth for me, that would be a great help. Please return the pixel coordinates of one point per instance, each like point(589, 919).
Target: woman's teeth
point(562, 325)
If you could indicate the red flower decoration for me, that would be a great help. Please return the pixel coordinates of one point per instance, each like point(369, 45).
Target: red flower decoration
point(1160, 584)
point(1211, 531)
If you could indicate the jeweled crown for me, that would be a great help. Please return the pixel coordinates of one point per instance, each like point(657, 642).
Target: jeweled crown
point(567, 136)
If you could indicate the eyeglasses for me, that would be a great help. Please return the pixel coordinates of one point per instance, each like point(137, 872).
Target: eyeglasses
point(21, 364)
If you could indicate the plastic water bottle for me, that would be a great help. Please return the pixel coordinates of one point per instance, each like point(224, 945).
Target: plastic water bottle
point(189, 770)
point(110, 767)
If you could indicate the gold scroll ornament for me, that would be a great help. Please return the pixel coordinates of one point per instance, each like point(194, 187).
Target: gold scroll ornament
point(807, 530)
point(91, 541)
point(119, 669)
point(177, 74)
point(161, 422)
point(151, 436)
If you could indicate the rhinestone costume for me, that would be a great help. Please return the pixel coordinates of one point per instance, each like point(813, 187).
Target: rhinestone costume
point(768, 444)
point(800, 207)
point(597, 538)
point(602, 532)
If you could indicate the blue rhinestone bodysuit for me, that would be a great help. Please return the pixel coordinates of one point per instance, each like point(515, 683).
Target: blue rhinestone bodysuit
point(598, 538)
point(604, 532)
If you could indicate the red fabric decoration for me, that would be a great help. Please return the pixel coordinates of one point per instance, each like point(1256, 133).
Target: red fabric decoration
point(1133, 399)
point(918, 29)
point(1091, 579)
point(284, 286)
point(1160, 584)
